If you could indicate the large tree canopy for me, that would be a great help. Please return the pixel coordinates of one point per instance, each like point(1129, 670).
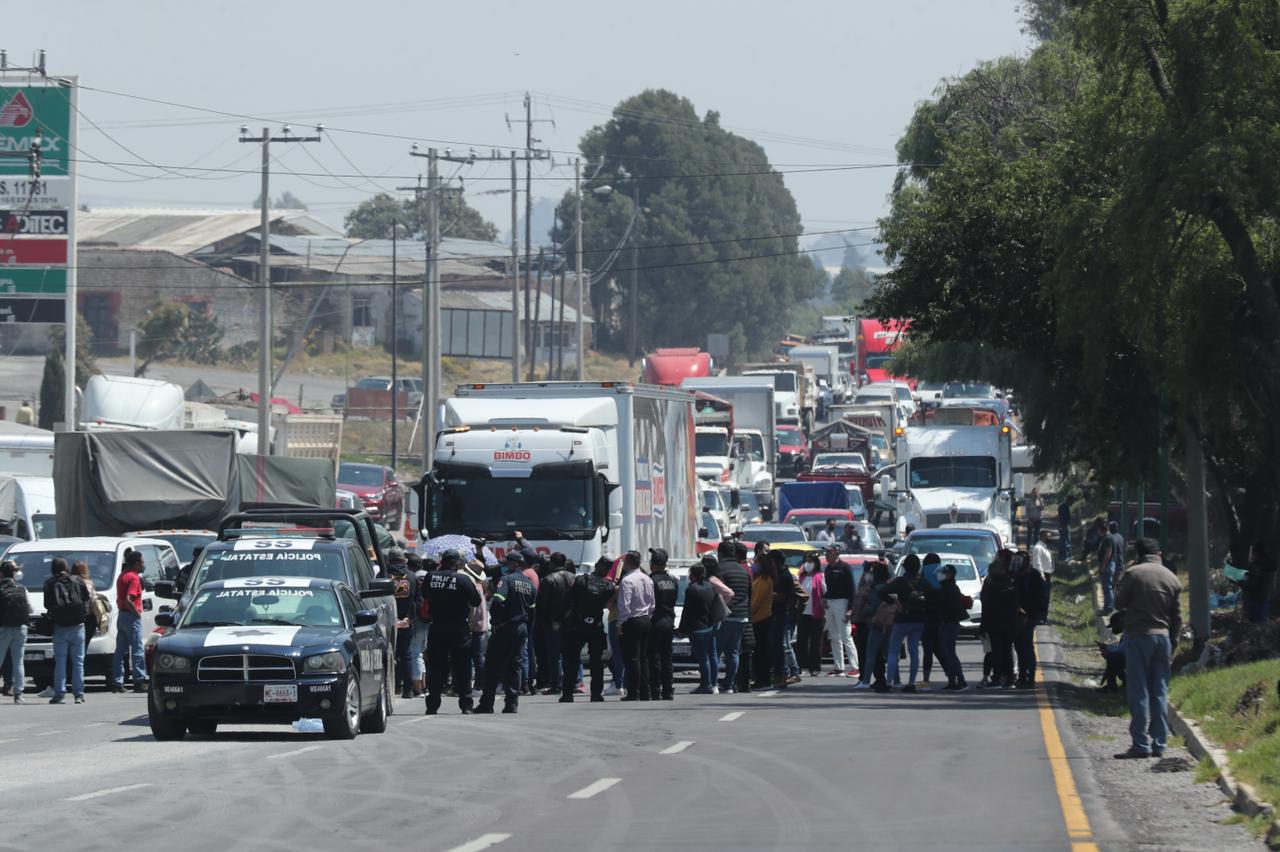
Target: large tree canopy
point(1099, 219)
point(715, 232)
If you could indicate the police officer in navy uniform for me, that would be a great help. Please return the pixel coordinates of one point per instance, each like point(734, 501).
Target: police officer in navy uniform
point(584, 625)
point(450, 595)
point(513, 603)
point(666, 590)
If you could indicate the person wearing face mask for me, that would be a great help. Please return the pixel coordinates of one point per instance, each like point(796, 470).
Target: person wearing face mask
point(15, 610)
point(813, 619)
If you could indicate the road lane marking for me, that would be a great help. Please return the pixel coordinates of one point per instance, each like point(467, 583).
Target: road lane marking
point(94, 725)
point(421, 718)
point(769, 694)
point(484, 841)
point(677, 748)
point(730, 717)
point(48, 733)
point(295, 752)
point(595, 788)
point(1077, 821)
point(14, 740)
point(97, 794)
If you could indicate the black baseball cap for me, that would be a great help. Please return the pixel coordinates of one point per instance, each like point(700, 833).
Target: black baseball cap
point(515, 557)
point(657, 556)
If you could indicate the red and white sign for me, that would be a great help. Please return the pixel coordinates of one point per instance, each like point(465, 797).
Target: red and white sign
point(512, 455)
point(33, 252)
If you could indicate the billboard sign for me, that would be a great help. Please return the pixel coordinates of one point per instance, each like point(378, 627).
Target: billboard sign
point(23, 193)
point(32, 252)
point(29, 112)
point(33, 281)
point(33, 310)
point(32, 223)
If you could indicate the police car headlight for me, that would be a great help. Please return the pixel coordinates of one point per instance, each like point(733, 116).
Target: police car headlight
point(172, 663)
point(327, 663)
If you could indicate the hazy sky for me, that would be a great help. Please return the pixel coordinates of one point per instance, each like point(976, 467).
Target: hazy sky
point(813, 82)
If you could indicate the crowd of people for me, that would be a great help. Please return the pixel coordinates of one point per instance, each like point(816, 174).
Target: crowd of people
point(750, 622)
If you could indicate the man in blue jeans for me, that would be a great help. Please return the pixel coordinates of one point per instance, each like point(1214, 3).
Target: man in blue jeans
point(1148, 598)
point(15, 611)
point(64, 602)
point(129, 625)
point(729, 635)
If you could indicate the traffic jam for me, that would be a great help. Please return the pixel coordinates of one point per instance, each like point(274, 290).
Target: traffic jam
point(234, 589)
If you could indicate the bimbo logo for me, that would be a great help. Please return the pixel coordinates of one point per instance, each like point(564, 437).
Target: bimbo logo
point(512, 451)
point(16, 113)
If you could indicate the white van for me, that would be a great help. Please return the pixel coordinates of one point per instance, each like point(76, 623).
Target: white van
point(25, 450)
point(105, 557)
point(27, 510)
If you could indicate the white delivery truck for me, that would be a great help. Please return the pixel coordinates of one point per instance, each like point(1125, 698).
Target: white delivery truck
point(955, 474)
point(120, 403)
point(25, 450)
point(27, 508)
point(584, 468)
point(825, 361)
point(754, 423)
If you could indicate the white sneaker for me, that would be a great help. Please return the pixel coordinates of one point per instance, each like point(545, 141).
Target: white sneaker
point(611, 690)
point(715, 690)
point(47, 692)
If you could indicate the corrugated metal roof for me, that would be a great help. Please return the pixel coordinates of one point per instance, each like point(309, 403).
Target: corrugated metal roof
point(406, 249)
point(378, 267)
point(181, 232)
point(544, 307)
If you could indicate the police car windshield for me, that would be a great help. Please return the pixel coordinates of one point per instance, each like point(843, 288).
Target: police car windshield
point(258, 601)
point(270, 557)
point(35, 566)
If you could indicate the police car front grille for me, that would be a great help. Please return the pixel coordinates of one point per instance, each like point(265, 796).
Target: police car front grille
point(245, 668)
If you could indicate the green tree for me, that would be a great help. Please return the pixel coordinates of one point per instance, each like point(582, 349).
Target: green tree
point(286, 201)
point(715, 230)
point(1096, 223)
point(52, 387)
point(173, 330)
point(850, 288)
point(374, 219)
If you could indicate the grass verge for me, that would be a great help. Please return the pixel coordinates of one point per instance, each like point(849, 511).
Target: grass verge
point(1248, 730)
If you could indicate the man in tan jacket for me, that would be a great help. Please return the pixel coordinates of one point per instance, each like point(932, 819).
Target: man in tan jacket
point(1148, 598)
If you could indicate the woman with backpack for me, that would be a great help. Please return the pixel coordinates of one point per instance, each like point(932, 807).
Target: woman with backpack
point(910, 593)
point(811, 620)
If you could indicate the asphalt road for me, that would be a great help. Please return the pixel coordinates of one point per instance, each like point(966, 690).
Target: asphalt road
point(817, 765)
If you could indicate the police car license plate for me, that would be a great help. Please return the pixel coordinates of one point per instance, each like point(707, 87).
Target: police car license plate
point(279, 693)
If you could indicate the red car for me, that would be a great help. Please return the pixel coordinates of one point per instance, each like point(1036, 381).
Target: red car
point(793, 450)
point(377, 488)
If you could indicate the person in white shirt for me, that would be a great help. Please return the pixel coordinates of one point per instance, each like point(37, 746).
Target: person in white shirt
point(828, 533)
point(1042, 557)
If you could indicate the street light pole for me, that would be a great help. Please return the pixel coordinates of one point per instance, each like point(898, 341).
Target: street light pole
point(635, 263)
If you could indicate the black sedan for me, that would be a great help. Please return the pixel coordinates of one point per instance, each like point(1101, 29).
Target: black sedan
point(271, 650)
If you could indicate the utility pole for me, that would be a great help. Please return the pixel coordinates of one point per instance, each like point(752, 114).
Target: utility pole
point(395, 373)
point(635, 265)
point(577, 226)
point(515, 272)
point(431, 344)
point(265, 324)
point(529, 156)
point(1197, 537)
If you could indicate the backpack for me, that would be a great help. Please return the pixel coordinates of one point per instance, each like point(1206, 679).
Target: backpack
point(68, 602)
point(14, 608)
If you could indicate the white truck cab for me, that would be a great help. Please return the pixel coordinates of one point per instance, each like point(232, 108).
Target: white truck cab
point(955, 474)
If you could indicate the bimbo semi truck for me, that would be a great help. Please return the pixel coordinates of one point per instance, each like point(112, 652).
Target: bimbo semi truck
point(584, 468)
